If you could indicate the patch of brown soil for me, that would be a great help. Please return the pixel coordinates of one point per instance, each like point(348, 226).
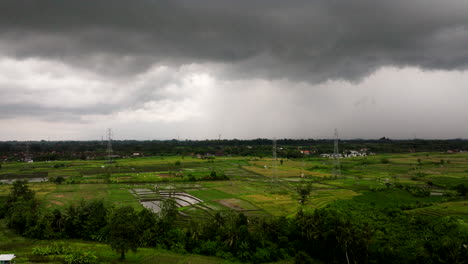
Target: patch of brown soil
point(57, 202)
point(231, 203)
point(165, 175)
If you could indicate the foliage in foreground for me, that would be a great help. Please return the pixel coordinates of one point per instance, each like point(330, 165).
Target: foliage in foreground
point(355, 231)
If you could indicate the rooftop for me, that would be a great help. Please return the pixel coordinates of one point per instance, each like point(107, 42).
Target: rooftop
point(6, 257)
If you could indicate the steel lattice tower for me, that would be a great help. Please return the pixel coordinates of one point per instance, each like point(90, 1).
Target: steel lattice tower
point(109, 145)
point(274, 176)
point(27, 156)
point(336, 158)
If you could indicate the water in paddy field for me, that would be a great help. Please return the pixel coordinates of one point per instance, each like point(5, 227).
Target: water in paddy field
point(181, 198)
point(139, 190)
point(10, 181)
point(154, 206)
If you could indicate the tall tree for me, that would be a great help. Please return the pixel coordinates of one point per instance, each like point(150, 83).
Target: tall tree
point(20, 189)
point(148, 228)
point(168, 210)
point(124, 231)
point(21, 208)
point(303, 189)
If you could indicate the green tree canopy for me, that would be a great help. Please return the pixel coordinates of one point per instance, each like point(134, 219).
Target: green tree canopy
point(124, 231)
point(303, 190)
point(20, 189)
point(168, 210)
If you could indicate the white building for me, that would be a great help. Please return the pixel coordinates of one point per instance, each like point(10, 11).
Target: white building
point(7, 259)
point(354, 153)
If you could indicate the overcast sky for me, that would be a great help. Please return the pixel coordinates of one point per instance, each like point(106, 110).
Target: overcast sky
point(157, 69)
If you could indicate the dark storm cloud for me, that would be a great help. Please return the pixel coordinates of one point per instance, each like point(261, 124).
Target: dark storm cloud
point(244, 68)
point(306, 40)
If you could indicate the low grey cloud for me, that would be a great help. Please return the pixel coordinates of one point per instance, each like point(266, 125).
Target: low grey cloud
point(50, 90)
point(392, 102)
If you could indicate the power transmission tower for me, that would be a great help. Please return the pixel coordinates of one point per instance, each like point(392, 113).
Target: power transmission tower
point(27, 156)
point(302, 167)
point(221, 145)
point(336, 158)
point(274, 176)
point(109, 145)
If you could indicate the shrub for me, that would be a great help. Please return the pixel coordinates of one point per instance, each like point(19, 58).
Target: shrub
point(55, 249)
point(216, 177)
point(384, 161)
point(207, 248)
point(42, 251)
point(417, 191)
point(451, 193)
point(461, 189)
point(377, 188)
point(302, 258)
point(59, 179)
point(262, 255)
point(421, 174)
point(191, 177)
point(81, 258)
point(38, 259)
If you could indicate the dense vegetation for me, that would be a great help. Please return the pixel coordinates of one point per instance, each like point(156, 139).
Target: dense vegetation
point(353, 231)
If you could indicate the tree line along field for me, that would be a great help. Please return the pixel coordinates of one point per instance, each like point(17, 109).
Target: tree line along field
point(417, 184)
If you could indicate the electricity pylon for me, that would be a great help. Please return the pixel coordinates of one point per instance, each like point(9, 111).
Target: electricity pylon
point(336, 158)
point(109, 145)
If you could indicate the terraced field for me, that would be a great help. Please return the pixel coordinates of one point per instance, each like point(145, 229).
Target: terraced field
point(251, 185)
point(459, 208)
point(322, 198)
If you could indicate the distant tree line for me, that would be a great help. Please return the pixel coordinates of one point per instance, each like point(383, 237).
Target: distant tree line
point(287, 148)
point(341, 233)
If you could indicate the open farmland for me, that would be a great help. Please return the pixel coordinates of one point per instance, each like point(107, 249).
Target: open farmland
point(252, 185)
point(422, 184)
